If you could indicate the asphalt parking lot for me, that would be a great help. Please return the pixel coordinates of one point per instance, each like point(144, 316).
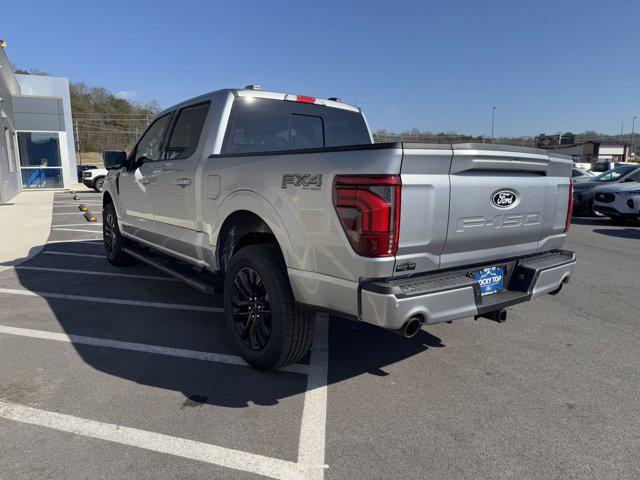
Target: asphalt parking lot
point(126, 373)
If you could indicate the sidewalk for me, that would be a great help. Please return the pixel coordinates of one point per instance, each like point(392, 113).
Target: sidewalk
point(25, 222)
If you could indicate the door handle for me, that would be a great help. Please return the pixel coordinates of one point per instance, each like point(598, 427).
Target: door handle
point(183, 182)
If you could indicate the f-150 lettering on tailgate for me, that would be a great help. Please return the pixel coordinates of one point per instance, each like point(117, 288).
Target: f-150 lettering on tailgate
point(513, 220)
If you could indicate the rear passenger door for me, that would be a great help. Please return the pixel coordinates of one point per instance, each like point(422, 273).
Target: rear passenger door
point(173, 184)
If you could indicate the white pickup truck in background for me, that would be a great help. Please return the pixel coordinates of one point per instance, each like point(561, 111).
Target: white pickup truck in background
point(284, 203)
point(94, 178)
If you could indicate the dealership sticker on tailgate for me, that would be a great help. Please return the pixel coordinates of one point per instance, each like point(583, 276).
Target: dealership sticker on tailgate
point(490, 280)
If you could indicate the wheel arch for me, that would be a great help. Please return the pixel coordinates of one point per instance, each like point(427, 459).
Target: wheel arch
point(242, 228)
point(106, 199)
point(246, 218)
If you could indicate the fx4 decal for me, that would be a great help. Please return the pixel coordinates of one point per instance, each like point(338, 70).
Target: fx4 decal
point(304, 180)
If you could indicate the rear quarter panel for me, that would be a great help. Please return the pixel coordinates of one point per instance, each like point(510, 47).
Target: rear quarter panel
point(302, 217)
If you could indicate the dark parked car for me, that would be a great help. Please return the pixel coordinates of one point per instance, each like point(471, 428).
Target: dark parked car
point(82, 168)
point(583, 192)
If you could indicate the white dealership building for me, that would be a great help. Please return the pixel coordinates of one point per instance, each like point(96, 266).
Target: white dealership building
point(36, 132)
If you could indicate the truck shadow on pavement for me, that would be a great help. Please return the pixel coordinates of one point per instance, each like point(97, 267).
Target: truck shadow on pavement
point(591, 221)
point(354, 349)
point(632, 233)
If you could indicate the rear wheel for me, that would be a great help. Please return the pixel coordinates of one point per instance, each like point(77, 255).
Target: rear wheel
point(114, 242)
point(269, 329)
point(97, 186)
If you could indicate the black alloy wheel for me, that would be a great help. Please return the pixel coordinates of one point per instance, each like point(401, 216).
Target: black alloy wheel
point(113, 241)
point(251, 309)
point(109, 233)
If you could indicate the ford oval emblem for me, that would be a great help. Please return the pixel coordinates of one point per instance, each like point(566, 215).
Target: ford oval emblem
point(504, 198)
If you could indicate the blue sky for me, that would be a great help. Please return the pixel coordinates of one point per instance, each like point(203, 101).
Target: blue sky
point(435, 65)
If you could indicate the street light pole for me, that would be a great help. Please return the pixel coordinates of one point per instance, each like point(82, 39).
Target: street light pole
point(633, 125)
point(493, 115)
point(356, 93)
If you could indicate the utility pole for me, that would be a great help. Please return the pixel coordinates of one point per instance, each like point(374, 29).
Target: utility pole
point(633, 133)
point(356, 93)
point(621, 128)
point(493, 115)
point(78, 142)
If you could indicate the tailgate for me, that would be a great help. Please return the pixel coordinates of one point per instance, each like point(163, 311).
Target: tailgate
point(502, 202)
point(468, 204)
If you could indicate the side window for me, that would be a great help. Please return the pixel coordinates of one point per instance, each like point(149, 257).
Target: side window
point(345, 128)
point(151, 142)
point(258, 126)
point(634, 177)
point(306, 131)
point(187, 131)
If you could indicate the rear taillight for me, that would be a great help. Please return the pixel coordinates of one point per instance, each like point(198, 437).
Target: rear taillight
point(567, 223)
point(368, 207)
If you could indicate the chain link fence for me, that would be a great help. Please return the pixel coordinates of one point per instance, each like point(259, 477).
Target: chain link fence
point(96, 132)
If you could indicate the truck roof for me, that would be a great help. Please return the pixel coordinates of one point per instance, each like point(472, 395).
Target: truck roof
point(257, 93)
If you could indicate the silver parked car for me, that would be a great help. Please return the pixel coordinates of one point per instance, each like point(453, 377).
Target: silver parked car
point(620, 200)
point(284, 203)
point(583, 192)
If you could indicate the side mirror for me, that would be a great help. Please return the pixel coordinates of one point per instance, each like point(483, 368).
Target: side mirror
point(114, 159)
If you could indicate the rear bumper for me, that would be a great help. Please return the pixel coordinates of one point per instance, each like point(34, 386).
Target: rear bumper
point(447, 296)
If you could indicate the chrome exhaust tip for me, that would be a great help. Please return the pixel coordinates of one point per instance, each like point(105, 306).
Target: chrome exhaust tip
point(412, 327)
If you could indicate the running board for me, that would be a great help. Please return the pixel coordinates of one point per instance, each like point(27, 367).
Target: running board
point(185, 276)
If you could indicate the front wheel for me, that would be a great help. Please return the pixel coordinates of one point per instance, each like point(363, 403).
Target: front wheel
point(113, 240)
point(99, 183)
point(269, 329)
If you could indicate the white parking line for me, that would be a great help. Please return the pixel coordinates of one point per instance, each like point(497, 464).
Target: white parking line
point(85, 224)
point(116, 301)
point(75, 230)
point(90, 272)
point(71, 254)
point(311, 444)
point(157, 442)
point(76, 202)
point(139, 347)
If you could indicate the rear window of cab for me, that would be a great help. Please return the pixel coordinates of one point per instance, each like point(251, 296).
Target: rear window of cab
point(266, 125)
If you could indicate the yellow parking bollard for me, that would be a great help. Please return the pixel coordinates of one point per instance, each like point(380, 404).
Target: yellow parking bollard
point(89, 216)
point(82, 208)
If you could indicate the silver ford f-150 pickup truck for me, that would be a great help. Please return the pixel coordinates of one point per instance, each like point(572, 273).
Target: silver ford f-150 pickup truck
point(284, 203)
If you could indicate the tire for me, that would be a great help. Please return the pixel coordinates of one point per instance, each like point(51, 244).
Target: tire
point(114, 242)
point(97, 185)
point(281, 332)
